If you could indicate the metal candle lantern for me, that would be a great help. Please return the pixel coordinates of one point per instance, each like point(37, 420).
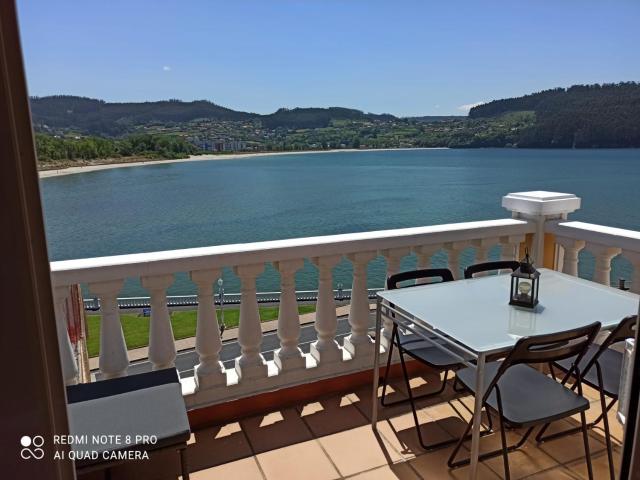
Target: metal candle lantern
point(525, 284)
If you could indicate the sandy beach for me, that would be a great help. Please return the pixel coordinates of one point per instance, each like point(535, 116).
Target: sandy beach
point(199, 158)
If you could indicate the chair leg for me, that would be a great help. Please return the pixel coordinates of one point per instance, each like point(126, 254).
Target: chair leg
point(505, 452)
point(184, 466)
point(383, 397)
point(607, 432)
point(386, 372)
point(585, 438)
point(495, 453)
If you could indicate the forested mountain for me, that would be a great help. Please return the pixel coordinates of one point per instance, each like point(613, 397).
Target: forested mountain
point(79, 129)
point(97, 117)
point(582, 116)
point(92, 116)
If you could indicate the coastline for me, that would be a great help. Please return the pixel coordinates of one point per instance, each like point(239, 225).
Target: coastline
point(208, 157)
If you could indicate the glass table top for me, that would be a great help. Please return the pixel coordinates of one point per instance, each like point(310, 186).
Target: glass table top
point(476, 312)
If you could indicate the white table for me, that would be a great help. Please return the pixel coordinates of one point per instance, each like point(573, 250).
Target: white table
point(474, 316)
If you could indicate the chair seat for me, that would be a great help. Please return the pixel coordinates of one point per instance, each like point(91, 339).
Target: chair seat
point(425, 352)
point(528, 396)
point(610, 363)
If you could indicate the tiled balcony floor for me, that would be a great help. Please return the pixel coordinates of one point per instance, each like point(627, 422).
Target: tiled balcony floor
point(332, 438)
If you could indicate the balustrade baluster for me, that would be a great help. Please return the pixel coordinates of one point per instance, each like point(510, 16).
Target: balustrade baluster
point(570, 259)
point(114, 360)
point(634, 258)
point(162, 346)
point(394, 257)
point(67, 357)
point(424, 254)
point(454, 250)
point(604, 255)
point(359, 343)
point(288, 356)
point(326, 350)
point(251, 364)
point(210, 371)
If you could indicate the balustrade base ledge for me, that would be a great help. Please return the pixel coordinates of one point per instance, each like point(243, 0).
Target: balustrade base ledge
point(217, 410)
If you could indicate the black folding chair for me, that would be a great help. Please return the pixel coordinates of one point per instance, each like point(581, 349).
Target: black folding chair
point(471, 270)
point(523, 397)
point(419, 349)
point(601, 367)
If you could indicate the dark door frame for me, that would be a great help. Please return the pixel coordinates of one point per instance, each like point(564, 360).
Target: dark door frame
point(33, 402)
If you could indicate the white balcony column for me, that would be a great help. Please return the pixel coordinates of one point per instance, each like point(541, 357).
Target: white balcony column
point(604, 254)
point(454, 250)
point(326, 350)
point(570, 258)
point(114, 360)
point(251, 364)
point(394, 257)
point(67, 357)
point(359, 343)
point(288, 356)
point(540, 207)
point(634, 258)
point(424, 254)
point(162, 346)
point(209, 372)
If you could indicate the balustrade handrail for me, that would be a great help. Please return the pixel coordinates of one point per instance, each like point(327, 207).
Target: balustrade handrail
point(628, 240)
point(102, 269)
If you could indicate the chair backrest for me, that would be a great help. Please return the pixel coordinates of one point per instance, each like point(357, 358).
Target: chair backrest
point(471, 270)
point(549, 348)
point(444, 274)
point(624, 330)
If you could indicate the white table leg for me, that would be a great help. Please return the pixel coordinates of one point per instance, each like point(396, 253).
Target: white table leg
point(376, 365)
point(477, 417)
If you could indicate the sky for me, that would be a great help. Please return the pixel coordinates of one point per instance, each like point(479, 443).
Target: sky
point(401, 57)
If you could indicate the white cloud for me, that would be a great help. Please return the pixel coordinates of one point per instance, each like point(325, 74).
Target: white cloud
point(469, 106)
point(166, 68)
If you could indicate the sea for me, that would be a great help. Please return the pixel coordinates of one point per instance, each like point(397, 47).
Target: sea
point(170, 206)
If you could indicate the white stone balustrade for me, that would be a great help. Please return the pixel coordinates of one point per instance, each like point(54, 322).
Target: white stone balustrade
point(454, 250)
point(212, 383)
point(113, 349)
point(603, 242)
point(424, 254)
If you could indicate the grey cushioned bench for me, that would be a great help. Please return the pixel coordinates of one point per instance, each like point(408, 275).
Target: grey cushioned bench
point(148, 404)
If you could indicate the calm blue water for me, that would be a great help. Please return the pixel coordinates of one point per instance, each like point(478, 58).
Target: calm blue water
point(181, 205)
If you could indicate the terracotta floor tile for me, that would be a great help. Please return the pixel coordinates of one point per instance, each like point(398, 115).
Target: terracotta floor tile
point(275, 430)
point(433, 466)
point(300, 461)
point(246, 469)
point(557, 473)
point(332, 415)
point(599, 463)
point(571, 447)
point(397, 471)
point(359, 449)
point(525, 461)
point(216, 445)
point(400, 432)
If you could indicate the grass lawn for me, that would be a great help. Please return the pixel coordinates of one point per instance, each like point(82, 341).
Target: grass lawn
point(183, 322)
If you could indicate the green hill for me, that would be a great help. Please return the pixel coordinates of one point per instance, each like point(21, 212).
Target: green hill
point(582, 116)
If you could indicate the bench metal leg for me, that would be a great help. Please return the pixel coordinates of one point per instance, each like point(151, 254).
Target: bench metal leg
point(184, 466)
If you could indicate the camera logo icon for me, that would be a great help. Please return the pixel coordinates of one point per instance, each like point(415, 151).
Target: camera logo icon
point(32, 447)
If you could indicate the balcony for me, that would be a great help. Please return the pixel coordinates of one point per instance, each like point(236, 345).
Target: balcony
point(305, 412)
